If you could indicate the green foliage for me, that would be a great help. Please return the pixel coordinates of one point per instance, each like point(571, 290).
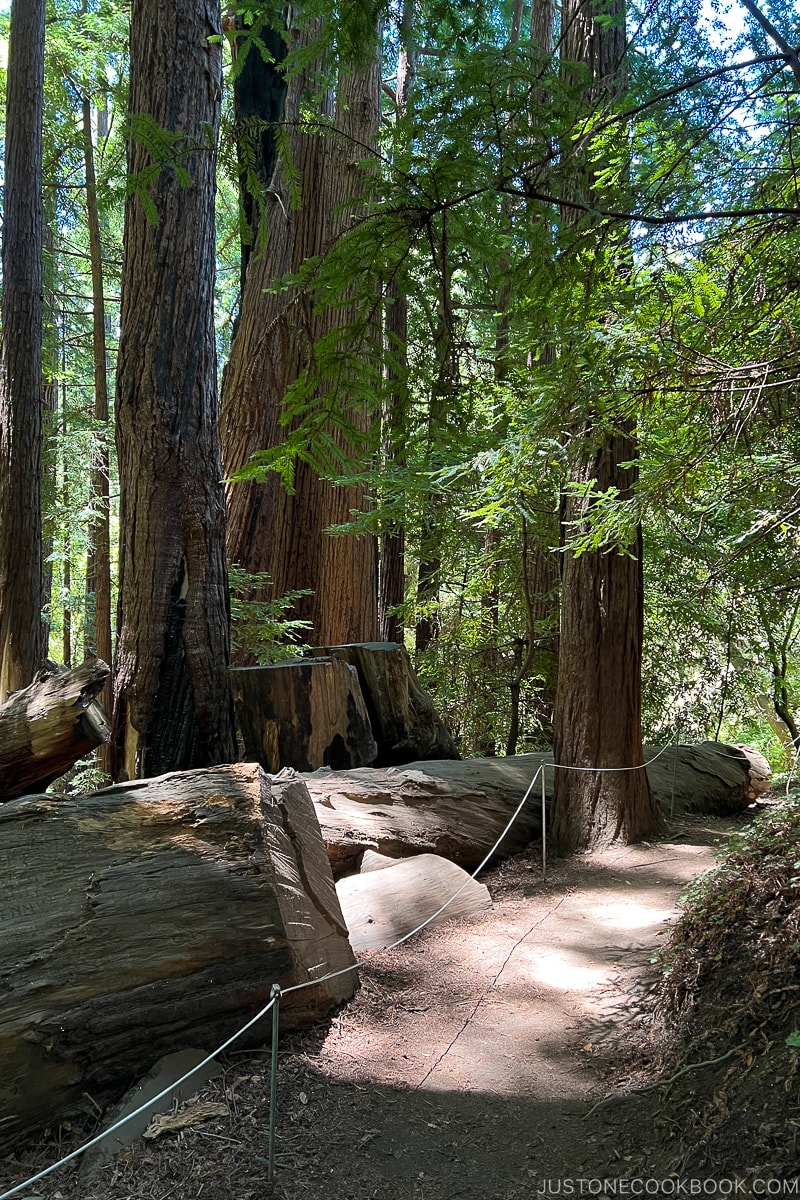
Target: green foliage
point(260, 626)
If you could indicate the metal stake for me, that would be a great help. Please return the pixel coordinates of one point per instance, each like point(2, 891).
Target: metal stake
point(544, 828)
point(273, 1082)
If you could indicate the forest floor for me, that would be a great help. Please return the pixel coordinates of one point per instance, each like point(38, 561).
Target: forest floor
point(503, 1056)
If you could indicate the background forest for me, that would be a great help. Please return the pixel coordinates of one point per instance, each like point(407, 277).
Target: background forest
point(503, 260)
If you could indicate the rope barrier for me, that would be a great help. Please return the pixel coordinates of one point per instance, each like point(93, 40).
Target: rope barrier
point(277, 991)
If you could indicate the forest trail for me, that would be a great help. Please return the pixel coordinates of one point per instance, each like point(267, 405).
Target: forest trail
point(468, 1065)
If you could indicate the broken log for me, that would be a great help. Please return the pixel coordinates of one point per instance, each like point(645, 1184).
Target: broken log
point(150, 916)
point(305, 714)
point(380, 906)
point(459, 809)
point(454, 809)
point(404, 720)
point(48, 726)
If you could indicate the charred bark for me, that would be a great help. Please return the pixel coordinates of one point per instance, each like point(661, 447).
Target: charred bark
point(173, 703)
point(270, 530)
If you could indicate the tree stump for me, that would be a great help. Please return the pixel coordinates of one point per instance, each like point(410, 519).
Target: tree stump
point(151, 916)
point(48, 726)
point(304, 714)
point(404, 721)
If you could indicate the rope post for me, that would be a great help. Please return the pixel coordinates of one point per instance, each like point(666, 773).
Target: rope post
point(674, 769)
point(273, 1081)
point(544, 825)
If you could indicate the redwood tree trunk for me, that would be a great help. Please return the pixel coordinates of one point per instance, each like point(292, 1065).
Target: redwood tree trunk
point(270, 530)
point(21, 630)
point(395, 414)
point(97, 621)
point(173, 704)
point(598, 698)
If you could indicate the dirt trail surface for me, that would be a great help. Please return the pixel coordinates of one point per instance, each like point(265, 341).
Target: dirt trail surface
point(467, 1067)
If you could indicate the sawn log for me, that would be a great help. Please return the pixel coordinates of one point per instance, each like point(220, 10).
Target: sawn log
point(48, 726)
point(459, 809)
point(151, 916)
point(390, 899)
point(306, 713)
point(404, 720)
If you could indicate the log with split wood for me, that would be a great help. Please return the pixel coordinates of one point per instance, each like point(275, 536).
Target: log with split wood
point(459, 809)
point(348, 706)
point(48, 726)
point(150, 916)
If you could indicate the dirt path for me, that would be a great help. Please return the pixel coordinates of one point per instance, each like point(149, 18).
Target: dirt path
point(466, 1065)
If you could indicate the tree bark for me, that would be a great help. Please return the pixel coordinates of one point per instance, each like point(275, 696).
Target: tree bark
point(97, 621)
point(49, 725)
point(459, 809)
point(598, 698)
point(404, 721)
point(395, 414)
point(270, 530)
point(173, 702)
point(21, 630)
point(137, 920)
point(304, 714)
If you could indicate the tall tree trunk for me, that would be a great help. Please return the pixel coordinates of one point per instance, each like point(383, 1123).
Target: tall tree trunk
point(270, 530)
point(173, 704)
point(439, 412)
point(97, 620)
point(601, 789)
point(66, 544)
point(21, 630)
point(391, 593)
point(259, 94)
point(51, 342)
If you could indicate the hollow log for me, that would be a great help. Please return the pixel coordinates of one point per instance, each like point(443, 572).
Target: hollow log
point(48, 726)
point(403, 717)
point(305, 714)
point(150, 916)
point(459, 809)
point(382, 905)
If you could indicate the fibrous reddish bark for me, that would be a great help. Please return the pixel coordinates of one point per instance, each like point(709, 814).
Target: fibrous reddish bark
point(173, 703)
point(21, 629)
point(270, 530)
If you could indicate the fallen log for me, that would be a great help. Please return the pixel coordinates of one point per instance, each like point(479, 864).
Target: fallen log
point(459, 809)
point(305, 714)
point(454, 809)
point(48, 726)
point(404, 720)
point(380, 906)
point(150, 916)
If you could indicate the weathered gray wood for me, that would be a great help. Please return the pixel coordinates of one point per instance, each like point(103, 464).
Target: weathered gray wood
point(150, 916)
point(381, 906)
point(305, 714)
point(48, 726)
point(455, 809)
point(404, 720)
point(459, 809)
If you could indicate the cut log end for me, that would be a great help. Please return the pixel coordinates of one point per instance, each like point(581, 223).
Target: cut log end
point(46, 727)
